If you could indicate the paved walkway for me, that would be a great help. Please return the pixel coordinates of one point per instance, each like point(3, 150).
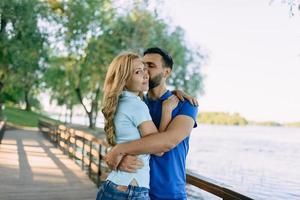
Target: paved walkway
point(32, 168)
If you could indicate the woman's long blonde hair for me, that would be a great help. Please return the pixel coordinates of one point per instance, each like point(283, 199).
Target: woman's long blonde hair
point(118, 73)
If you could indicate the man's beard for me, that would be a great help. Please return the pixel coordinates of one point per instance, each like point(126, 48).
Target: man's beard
point(155, 81)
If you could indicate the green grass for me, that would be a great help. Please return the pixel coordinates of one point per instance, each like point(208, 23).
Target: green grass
point(23, 118)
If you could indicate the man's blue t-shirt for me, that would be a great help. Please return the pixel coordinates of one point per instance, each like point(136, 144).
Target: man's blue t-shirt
point(167, 173)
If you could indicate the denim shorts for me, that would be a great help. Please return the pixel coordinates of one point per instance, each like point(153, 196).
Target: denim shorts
point(108, 191)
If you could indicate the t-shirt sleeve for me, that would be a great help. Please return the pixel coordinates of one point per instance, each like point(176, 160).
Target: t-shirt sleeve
point(189, 110)
point(141, 114)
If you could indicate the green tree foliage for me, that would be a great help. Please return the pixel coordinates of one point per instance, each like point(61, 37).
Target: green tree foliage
point(23, 53)
point(139, 28)
point(221, 118)
point(59, 79)
point(82, 22)
point(294, 124)
point(83, 38)
point(268, 123)
point(95, 32)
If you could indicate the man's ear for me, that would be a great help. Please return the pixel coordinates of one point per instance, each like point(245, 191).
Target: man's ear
point(167, 72)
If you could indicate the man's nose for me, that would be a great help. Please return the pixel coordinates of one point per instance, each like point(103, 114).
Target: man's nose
point(146, 74)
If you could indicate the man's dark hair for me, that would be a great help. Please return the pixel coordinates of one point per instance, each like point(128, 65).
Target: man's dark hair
point(168, 61)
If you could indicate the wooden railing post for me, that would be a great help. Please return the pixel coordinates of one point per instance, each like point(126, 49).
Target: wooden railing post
point(69, 143)
point(91, 157)
point(58, 137)
point(64, 140)
point(82, 159)
point(99, 166)
point(75, 146)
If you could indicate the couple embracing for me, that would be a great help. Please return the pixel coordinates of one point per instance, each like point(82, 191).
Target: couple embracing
point(149, 133)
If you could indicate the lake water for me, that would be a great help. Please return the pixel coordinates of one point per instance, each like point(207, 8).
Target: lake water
point(260, 162)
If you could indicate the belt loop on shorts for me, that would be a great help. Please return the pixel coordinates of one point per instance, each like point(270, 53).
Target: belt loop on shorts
point(130, 191)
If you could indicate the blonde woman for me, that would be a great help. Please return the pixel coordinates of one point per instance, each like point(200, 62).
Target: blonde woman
point(127, 118)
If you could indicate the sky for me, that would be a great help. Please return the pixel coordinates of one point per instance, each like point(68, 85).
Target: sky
point(254, 55)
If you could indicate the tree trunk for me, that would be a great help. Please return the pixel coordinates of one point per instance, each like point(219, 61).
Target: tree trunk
point(96, 103)
point(1, 103)
point(89, 113)
point(91, 121)
point(1, 111)
point(3, 23)
point(71, 114)
point(28, 106)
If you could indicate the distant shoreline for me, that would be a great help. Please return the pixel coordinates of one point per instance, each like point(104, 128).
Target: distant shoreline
point(235, 119)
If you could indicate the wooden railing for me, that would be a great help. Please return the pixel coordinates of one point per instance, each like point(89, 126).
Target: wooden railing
point(213, 187)
point(83, 147)
point(2, 130)
point(89, 151)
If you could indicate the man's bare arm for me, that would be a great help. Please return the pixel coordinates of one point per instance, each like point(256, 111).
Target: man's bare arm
point(179, 128)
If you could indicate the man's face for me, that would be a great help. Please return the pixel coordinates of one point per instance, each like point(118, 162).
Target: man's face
point(155, 68)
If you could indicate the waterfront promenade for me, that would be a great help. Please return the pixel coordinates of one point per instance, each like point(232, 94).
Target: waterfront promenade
point(31, 167)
